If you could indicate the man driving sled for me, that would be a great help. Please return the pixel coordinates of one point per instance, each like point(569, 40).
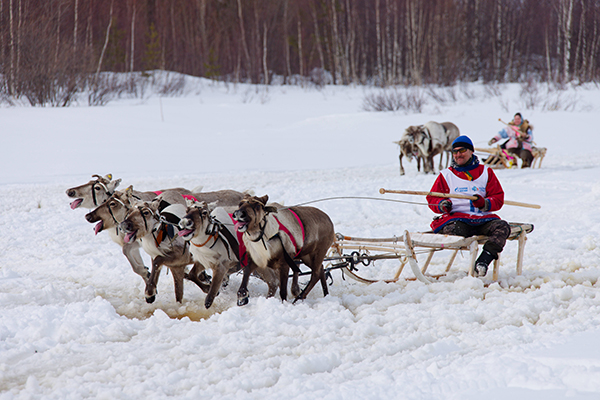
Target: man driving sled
point(463, 217)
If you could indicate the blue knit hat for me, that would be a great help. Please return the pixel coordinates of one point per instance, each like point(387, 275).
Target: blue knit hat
point(463, 141)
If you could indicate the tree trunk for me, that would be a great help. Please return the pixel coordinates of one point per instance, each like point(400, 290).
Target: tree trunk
point(567, 10)
point(300, 51)
point(318, 36)
point(379, 45)
point(132, 49)
point(105, 41)
point(264, 58)
point(75, 25)
point(243, 37)
point(286, 45)
point(57, 50)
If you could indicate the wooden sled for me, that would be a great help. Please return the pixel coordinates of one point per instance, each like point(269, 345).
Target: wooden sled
point(499, 158)
point(355, 254)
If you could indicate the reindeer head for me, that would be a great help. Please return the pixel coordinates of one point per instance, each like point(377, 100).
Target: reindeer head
point(93, 193)
point(140, 221)
point(197, 220)
point(112, 212)
point(251, 211)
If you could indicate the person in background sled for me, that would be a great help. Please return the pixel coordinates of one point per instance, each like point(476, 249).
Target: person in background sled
point(463, 217)
point(520, 139)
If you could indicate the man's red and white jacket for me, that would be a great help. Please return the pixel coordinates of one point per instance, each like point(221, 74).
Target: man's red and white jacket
point(471, 180)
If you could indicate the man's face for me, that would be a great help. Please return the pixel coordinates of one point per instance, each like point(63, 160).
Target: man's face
point(461, 155)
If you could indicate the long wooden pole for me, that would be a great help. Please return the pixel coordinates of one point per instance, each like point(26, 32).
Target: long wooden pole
point(455, 196)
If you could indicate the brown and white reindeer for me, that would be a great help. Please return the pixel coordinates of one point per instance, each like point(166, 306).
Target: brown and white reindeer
point(431, 139)
point(214, 242)
point(158, 237)
point(275, 237)
point(143, 223)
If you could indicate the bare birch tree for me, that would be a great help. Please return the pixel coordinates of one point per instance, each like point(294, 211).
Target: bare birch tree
point(110, 22)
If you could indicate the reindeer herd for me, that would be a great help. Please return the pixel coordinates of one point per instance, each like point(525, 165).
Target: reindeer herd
point(224, 231)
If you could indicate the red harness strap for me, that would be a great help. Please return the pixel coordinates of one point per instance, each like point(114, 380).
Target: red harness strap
point(189, 197)
point(286, 230)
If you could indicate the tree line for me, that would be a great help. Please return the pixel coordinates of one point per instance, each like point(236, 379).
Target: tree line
point(50, 44)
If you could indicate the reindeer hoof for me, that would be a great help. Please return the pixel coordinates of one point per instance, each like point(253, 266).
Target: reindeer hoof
point(208, 303)
point(150, 299)
point(204, 278)
point(242, 301)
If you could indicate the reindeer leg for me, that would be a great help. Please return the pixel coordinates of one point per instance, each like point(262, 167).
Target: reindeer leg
point(315, 276)
point(324, 282)
point(295, 287)
point(198, 275)
point(284, 271)
point(215, 285)
point(419, 164)
point(242, 293)
point(401, 167)
point(178, 274)
point(153, 280)
point(132, 252)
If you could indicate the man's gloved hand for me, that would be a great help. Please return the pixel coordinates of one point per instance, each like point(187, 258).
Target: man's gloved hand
point(479, 203)
point(492, 141)
point(445, 206)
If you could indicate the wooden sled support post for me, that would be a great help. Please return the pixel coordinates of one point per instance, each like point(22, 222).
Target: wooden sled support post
point(455, 196)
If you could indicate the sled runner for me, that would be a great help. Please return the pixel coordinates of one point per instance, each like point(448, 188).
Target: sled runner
point(356, 256)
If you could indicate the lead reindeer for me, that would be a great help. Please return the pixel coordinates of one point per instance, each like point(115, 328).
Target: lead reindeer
point(94, 193)
point(274, 237)
point(214, 244)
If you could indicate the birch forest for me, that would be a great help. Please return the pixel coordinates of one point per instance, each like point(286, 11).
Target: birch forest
point(67, 44)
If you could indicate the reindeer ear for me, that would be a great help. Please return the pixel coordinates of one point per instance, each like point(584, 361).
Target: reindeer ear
point(212, 206)
point(189, 202)
point(108, 177)
point(113, 185)
point(270, 209)
point(263, 199)
point(129, 192)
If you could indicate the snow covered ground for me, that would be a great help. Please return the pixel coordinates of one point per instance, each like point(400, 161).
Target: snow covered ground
point(74, 323)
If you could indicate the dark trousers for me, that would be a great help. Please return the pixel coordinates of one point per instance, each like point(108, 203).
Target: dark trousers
point(498, 231)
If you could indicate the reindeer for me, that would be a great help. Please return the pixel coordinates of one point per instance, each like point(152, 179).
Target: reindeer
point(143, 222)
point(215, 245)
point(408, 150)
point(431, 139)
point(274, 237)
